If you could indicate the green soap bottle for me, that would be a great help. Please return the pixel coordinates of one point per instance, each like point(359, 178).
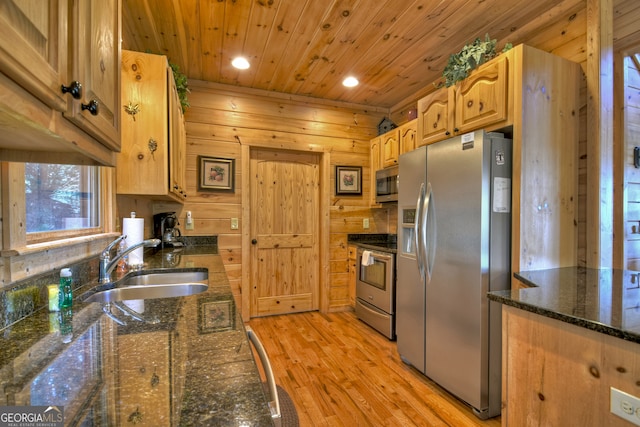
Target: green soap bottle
point(66, 290)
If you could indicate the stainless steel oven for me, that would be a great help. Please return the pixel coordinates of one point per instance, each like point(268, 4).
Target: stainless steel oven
point(375, 290)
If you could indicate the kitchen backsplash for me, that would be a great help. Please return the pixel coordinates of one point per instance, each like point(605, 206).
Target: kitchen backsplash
point(29, 295)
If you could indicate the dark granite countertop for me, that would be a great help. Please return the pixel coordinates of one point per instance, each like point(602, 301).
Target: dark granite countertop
point(190, 365)
point(602, 300)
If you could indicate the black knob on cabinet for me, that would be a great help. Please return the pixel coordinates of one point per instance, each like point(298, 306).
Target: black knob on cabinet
point(92, 106)
point(456, 130)
point(75, 89)
point(447, 133)
point(254, 242)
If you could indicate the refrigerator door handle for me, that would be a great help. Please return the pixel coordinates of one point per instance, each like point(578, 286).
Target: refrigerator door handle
point(418, 228)
point(429, 231)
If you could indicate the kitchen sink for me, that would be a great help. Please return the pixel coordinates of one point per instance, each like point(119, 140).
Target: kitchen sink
point(151, 291)
point(153, 284)
point(164, 278)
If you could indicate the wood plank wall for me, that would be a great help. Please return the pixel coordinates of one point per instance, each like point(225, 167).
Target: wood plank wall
point(222, 118)
point(631, 135)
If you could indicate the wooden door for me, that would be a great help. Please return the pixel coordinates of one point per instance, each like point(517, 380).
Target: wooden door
point(390, 142)
point(435, 119)
point(285, 201)
point(96, 64)
point(481, 99)
point(33, 47)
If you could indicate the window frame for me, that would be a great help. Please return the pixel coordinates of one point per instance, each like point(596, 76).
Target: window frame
point(47, 236)
point(14, 234)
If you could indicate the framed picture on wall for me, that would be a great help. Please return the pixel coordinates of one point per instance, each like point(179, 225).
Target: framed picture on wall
point(216, 174)
point(348, 180)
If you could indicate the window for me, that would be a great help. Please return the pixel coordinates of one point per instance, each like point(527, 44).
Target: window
point(61, 198)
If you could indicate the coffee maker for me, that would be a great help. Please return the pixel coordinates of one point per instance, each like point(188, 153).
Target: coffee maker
point(164, 228)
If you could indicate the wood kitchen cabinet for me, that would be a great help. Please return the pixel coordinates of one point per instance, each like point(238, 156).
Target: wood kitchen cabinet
point(532, 97)
point(390, 145)
point(479, 101)
point(153, 133)
point(60, 80)
point(376, 163)
point(408, 133)
point(353, 273)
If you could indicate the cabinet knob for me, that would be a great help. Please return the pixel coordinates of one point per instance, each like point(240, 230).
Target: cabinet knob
point(75, 89)
point(456, 130)
point(254, 242)
point(92, 106)
point(447, 133)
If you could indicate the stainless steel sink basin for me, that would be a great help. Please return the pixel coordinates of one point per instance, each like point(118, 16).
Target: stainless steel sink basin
point(170, 277)
point(149, 291)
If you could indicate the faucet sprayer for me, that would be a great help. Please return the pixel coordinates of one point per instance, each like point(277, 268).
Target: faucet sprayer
point(107, 264)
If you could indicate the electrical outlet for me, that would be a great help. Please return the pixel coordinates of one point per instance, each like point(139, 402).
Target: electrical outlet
point(625, 406)
point(365, 223)
point(188, 224)
point(234, 223)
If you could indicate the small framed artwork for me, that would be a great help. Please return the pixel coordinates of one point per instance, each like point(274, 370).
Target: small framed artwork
point(216, 315)
point(216, 174)
point(348, 180)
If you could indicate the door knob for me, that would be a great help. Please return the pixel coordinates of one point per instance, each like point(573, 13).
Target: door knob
point(75, 89)
point(254, 242)
point(92, 106)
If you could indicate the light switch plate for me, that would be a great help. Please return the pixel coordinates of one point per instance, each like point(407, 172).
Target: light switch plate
point(625, 406)
point(365, 223)
point(234, 223)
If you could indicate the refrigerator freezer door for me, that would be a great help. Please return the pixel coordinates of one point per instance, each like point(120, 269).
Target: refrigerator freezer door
point(410, 291)
point(457, 315)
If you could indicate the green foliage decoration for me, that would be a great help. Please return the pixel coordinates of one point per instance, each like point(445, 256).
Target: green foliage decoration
point(181, 83)
point(181, 86)
point(469, 58)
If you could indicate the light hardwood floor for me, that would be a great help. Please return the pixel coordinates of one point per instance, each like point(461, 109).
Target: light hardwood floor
point(340, 372)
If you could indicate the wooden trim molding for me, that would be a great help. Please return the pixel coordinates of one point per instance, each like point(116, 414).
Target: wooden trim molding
point(599, 133)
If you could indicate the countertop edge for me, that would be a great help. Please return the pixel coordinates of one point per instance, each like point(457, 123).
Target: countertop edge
point(576, 321)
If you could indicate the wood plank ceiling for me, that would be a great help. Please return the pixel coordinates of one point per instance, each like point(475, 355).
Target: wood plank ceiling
point(396, 48)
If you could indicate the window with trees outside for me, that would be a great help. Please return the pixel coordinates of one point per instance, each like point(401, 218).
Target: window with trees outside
point(61, 200)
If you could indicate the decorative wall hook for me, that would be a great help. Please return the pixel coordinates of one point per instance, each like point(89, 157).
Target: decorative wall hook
point(132, 109)
point(153, 146)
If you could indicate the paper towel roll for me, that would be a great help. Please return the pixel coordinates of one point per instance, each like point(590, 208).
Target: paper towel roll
point(133, 228)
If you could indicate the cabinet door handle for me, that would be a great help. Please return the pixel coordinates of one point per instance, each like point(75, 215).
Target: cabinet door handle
point(447, 133)
point(75, 89)
point(92, 106)
point(254, 242)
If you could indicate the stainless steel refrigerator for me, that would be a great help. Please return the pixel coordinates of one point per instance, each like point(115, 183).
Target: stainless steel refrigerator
point(454, 235)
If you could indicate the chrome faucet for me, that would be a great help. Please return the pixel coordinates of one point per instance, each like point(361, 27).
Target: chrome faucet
point(107, 264)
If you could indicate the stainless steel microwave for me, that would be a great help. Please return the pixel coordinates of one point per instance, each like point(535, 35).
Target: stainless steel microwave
point(387, 185)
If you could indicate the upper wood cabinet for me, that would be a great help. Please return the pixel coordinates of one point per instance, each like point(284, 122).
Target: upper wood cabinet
point(390, 146)
point(408, 133)
point(479, 101)
point(60, 57)
point(533, 97)
point(153, 134)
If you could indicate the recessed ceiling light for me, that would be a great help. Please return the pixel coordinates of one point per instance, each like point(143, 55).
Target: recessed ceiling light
point(350, 82)
point(240, 63)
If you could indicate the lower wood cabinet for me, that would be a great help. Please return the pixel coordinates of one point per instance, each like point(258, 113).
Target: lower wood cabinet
point(559, 374)
point(353, 273)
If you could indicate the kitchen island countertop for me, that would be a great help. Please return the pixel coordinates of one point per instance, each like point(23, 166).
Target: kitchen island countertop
point(188, 363)
point(602, 300)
